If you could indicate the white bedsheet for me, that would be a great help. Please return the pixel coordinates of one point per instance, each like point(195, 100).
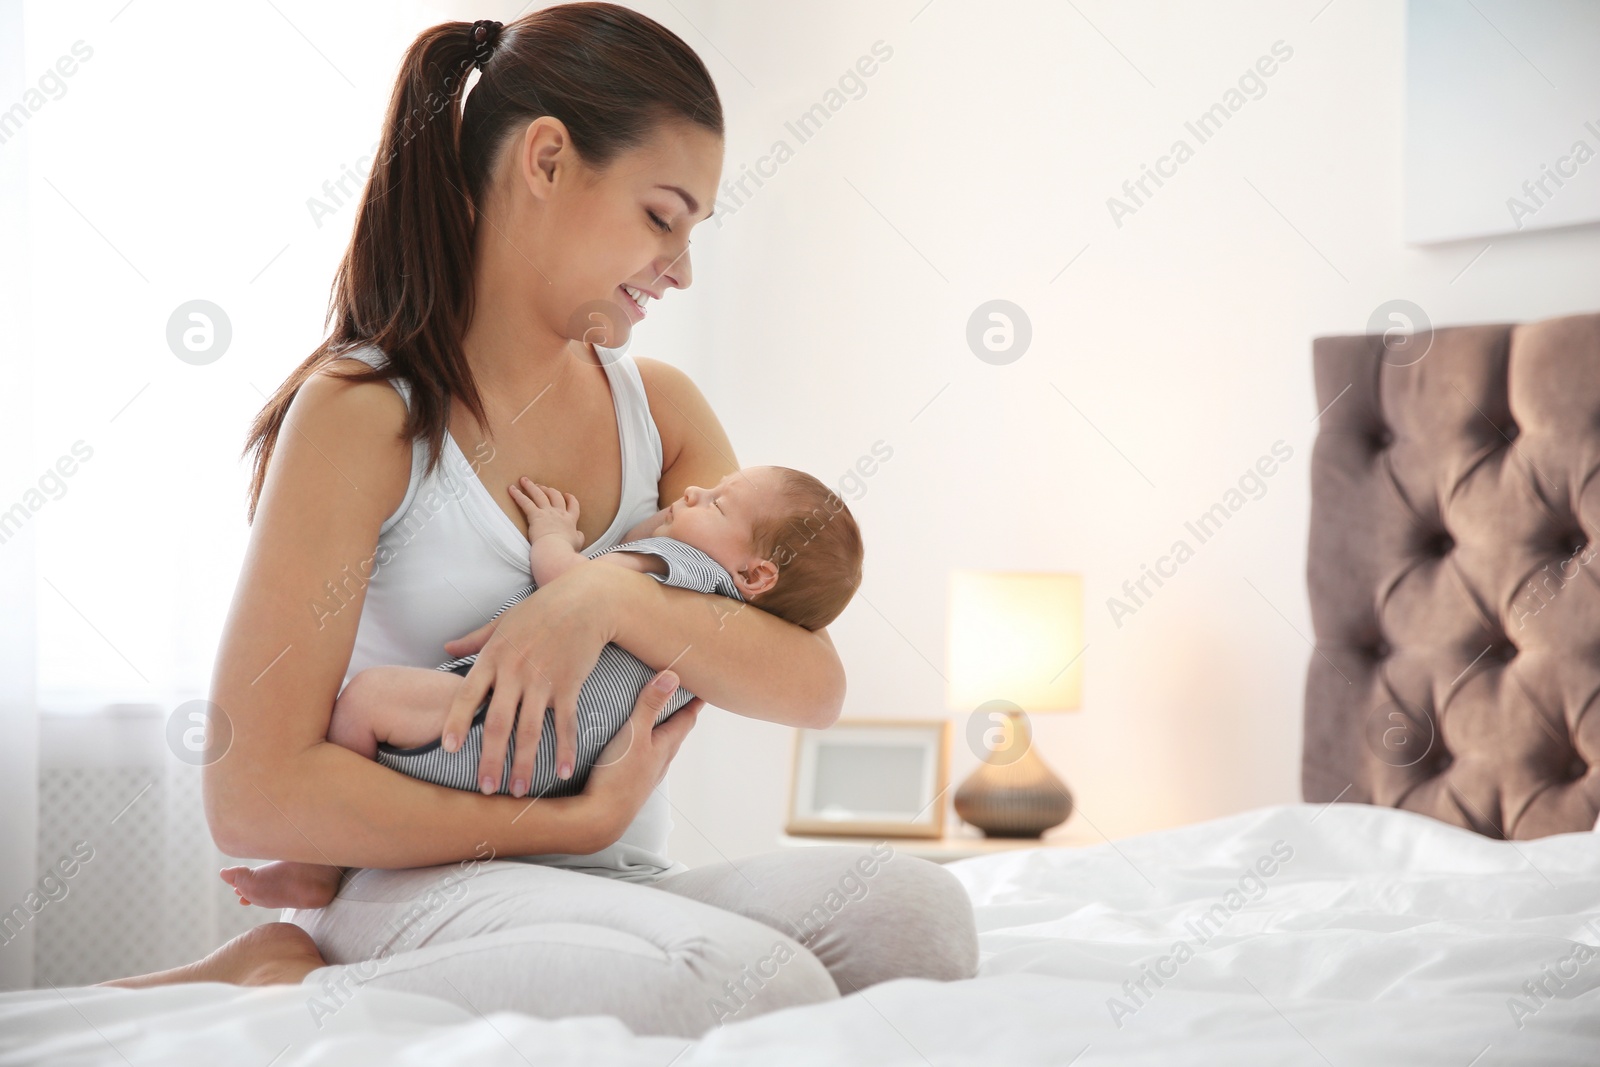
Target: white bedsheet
point(1382, 937)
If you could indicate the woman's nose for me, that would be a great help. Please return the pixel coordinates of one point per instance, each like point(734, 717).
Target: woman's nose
point(678, 273)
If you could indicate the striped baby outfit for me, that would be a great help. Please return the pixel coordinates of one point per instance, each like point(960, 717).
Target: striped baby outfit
point(604, 702)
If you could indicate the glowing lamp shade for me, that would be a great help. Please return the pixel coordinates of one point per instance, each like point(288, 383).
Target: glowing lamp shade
point(1015, 642)
point(1015, 636)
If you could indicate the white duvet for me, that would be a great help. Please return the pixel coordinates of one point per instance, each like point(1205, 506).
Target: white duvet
point(1298, 934)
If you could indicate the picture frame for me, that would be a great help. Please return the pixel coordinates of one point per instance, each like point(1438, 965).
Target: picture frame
point(871, 778)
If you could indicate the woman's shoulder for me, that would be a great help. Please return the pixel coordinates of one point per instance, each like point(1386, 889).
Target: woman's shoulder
point(358, 427)
point(680, 410)
point(330, 394)
point(655, 373)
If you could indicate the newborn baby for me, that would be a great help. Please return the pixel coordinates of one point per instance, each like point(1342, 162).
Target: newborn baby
point(772, 537)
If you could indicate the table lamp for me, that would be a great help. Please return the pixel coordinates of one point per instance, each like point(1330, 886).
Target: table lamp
point(1014, 639)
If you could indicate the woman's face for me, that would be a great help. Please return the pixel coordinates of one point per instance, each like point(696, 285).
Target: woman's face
point(590, 237)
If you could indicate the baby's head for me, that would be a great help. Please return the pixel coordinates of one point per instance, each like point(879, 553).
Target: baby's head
point(790, 543)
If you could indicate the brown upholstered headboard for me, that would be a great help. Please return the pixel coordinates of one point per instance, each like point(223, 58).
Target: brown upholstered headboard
point(1454, 575)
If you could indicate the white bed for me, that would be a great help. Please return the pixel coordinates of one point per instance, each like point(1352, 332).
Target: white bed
point(1384, 937)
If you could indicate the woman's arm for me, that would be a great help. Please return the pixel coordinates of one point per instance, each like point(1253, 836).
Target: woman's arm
point(733, 655)
point(281, 790)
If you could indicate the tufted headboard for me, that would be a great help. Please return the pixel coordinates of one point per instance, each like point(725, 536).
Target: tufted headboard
point(1454, 573)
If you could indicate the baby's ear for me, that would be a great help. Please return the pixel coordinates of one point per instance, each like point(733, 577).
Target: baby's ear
point(757, 578)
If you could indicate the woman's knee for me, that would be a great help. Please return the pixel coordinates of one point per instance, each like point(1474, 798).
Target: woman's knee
point(900, 917)
point(744, 968)
point(935, 914)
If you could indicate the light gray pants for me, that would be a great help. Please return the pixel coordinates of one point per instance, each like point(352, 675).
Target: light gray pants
point(677, 956)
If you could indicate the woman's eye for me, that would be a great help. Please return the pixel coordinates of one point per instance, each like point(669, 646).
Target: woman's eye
point(660, 223)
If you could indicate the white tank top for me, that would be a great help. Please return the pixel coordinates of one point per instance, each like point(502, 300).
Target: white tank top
point(451, 558)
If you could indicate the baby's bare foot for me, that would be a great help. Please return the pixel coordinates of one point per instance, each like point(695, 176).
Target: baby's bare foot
point(284, 884)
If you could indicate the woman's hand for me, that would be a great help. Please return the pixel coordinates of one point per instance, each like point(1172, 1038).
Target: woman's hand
point(634, 761)
point(535, 655)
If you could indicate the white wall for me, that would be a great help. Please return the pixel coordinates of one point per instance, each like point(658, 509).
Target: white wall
point(989, 143)
point(1493, 148)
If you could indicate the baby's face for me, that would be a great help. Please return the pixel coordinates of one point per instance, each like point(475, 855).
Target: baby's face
point(720, 521)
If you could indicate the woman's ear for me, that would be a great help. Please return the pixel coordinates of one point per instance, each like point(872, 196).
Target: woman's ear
point(545, 145)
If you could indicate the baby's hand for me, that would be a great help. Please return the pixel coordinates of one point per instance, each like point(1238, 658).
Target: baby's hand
point(548, 512)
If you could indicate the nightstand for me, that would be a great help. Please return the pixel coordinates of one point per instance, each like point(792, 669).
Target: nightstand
point(961, 842)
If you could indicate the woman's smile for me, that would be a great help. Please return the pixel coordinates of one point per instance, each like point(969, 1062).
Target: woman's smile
point(635, 299)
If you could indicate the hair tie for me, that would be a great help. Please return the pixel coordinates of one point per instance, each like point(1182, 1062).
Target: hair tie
point(485, 34)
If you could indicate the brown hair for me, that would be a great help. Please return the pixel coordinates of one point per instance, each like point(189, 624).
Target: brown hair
point(611, 75)
point(817, 547)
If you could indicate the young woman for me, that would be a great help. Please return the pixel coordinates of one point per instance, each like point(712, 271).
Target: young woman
point(494, 243)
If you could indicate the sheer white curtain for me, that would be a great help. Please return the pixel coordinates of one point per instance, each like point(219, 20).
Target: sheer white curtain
point(167, 160)
point(18, 719)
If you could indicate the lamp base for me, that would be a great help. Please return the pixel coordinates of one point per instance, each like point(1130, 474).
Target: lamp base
point(1014, 797)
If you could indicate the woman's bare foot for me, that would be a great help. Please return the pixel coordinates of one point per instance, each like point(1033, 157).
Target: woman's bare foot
point(284, 884)
point(269, 954)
